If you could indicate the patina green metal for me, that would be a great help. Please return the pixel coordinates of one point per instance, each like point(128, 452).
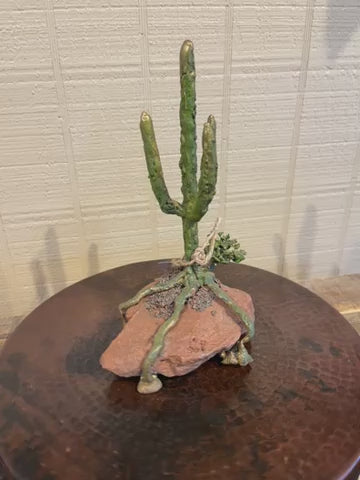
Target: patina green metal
point(156, 175)
point(197, 195)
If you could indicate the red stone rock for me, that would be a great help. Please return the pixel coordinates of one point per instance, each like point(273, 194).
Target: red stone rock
point(196, 337)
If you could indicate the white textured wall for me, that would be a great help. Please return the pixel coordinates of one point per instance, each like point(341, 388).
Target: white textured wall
point(282, 79)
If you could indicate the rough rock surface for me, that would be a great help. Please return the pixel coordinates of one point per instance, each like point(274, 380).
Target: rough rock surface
point(198, 336)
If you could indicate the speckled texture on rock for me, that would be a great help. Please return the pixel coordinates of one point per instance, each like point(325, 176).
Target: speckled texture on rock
point(198, 336)
point(294, 414)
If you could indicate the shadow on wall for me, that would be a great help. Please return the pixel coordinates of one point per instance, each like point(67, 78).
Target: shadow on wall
point(305, 246)
point(48, 269)
point(50, 278)
point(54, 261)
point(279, 251)
point(6, 312)
point(42, 291)
point(93, 259)
point(343, 19)
point(305, 243)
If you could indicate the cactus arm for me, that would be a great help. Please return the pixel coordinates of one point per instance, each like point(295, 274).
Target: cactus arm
point(156, 175)
point(187, 124)
point(208, 170)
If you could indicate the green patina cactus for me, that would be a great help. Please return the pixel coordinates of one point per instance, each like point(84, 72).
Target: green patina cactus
point(197, 195)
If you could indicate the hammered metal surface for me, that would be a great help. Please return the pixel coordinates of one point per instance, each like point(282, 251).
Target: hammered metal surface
point(294, 414)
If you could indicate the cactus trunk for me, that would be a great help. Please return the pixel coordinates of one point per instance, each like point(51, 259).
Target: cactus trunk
point(188, 163)
point(191, 237)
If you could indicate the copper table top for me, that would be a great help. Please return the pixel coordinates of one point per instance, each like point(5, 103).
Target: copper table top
point(294, 414)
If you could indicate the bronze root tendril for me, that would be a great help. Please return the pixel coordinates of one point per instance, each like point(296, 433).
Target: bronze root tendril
point(149, 382)
point(157, 288)
point(242, 357)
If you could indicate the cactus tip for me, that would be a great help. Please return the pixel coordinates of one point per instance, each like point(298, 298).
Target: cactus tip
point(187, 44)
point(187, 56)
point(144, 116)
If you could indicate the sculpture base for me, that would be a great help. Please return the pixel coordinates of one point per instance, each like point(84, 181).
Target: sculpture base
point(198, 336)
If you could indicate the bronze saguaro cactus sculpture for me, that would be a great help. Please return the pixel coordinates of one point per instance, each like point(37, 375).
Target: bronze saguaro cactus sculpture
point(197, 195)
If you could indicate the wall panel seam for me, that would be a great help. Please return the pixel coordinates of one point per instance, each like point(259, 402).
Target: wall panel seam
point(305, 56)
point(65, 123)
point(226, 102)
point(145, 66)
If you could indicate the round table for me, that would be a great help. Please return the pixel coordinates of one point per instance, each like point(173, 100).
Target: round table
point(293, 414)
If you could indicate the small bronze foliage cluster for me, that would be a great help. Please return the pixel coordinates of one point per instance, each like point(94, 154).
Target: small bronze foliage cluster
point(227, 250)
